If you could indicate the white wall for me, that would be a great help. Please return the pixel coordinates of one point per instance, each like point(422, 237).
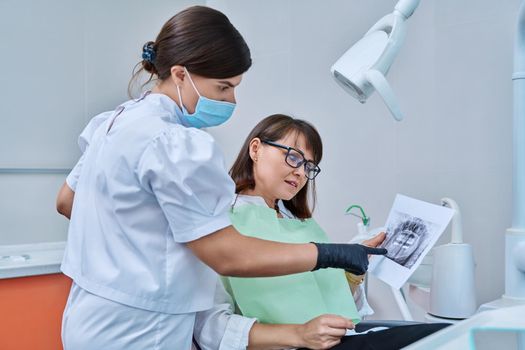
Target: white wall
point(453, 80)
point(63, 62)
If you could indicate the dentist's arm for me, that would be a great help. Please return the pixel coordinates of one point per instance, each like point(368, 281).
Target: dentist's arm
point(232, 254)
point(64, 200)
point(217, 251)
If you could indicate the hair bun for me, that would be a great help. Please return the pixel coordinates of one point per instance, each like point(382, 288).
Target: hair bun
point(149, 52)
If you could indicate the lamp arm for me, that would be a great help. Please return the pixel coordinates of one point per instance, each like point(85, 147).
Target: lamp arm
point(378, 81)
point(407, 7)
point(385, 24)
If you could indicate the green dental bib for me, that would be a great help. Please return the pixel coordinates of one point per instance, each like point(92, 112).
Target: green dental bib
point(294, 298)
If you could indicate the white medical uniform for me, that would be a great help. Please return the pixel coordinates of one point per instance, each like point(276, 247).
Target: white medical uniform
point(144, 186)
point(219, 328)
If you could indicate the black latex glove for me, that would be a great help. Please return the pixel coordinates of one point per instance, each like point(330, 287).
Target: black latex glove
point(351, 257)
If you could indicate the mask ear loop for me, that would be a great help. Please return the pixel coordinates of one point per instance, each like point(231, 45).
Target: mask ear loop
point(191, 81)
point(180, 95)
point(180, 100)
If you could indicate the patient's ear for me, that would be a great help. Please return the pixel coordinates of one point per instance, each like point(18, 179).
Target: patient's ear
point(254, 148)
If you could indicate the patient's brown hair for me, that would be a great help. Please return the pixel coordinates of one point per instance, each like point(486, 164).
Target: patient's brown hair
point(273, 128)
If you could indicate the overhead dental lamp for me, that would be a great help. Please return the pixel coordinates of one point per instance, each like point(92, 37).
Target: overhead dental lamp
point(362, 69)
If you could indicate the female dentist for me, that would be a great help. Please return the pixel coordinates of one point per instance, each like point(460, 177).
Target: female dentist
point(150, 200)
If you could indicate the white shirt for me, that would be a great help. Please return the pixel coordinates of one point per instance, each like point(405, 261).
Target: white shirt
point(220, 329)
point(143, 189)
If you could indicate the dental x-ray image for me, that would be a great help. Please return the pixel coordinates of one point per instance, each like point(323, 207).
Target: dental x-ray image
point(406, 238)
point(412, 228)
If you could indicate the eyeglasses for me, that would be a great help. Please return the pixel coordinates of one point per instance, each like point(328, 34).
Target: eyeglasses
point(295, 159)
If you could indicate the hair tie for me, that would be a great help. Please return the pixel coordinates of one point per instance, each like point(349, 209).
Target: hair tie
point(148, 52)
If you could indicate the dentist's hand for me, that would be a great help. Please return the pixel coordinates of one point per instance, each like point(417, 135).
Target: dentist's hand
point(351, 257)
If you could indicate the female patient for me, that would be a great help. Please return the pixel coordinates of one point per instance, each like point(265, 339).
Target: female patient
point(275, 175)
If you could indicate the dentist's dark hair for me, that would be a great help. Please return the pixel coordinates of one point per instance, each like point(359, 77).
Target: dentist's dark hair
point(201, 39)
point(273, 128)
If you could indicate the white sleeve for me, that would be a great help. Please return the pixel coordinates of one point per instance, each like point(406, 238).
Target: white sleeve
point(361, 301)
point(363, 308)
point(72, 178)
point(184, 169)
point(83, 142)
point(219, 328)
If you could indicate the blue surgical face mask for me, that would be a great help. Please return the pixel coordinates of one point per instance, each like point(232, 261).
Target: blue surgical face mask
point(208, 112)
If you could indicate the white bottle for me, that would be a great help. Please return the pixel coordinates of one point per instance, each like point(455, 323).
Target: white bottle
point(453, 291)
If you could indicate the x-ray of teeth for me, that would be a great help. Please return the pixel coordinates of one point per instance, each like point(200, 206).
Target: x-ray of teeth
point(412, 228)
point(407, 237)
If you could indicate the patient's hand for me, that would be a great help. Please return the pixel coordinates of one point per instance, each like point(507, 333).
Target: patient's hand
point(323, 332)
point(376, 240)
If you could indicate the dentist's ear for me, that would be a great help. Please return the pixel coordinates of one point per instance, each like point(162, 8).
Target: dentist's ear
point(178, 74)
point(254, 148)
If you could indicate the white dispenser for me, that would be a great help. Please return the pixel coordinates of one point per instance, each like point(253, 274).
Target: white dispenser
point(453, 291)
